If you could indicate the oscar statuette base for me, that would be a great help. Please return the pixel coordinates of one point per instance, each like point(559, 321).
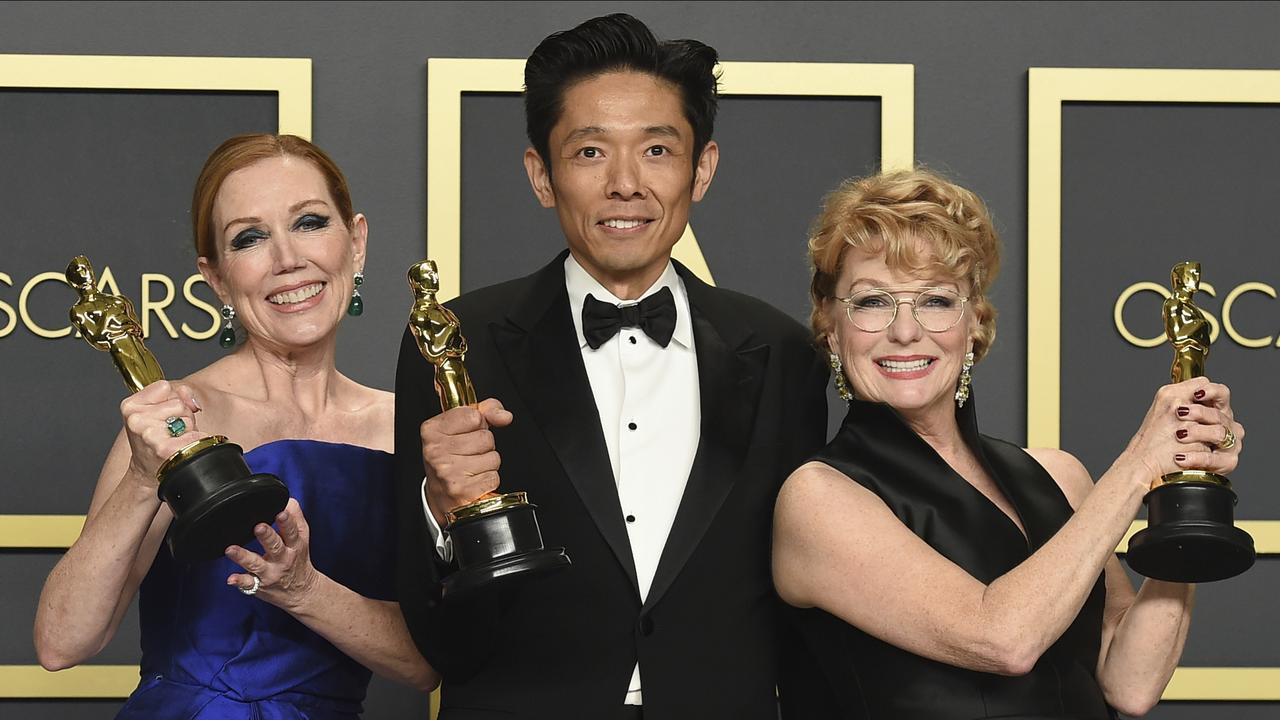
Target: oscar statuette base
point(215, 499)
point(497, 541)
point(1190, 535)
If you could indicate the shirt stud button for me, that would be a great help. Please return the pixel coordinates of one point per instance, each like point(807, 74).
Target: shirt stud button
point(631, 518)
point(632, 426)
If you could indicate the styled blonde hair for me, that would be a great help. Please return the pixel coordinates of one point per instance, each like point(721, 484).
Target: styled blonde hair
point(923, 224)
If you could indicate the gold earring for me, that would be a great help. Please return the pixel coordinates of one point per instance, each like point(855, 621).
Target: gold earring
point(842, 384)
point(966, 378)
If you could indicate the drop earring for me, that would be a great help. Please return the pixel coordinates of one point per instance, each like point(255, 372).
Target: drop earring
point(228, 336)
point(356, 307)
point(842, 385)
point(962, 387)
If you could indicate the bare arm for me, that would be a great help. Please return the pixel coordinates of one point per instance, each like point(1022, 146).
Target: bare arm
point(863, 565)
point(91, 587)
point(1144, 634)
point(860, 563)
point(1143, 637)
point(372, 632)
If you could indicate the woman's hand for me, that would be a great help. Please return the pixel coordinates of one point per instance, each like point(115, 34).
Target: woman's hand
point(147, 421)
point(1190, 426)
point(285, 574)
point(371, 631)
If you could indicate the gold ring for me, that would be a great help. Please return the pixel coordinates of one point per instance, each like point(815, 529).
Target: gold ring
point(1229, 441)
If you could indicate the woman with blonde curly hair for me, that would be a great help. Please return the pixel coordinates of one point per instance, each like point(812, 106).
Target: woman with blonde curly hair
point(940, 573)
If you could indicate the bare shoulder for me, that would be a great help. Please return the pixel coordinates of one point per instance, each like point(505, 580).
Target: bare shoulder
point(809, 481)
point(375, 411)
point(373, 400)
point(214, 387)
point(220, 377)
point(818, 485)
point(382, 406)
point(1070, 474)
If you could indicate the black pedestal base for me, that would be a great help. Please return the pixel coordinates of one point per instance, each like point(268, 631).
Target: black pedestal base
point(1190, 536)
point(216, 502)
point(508, 569)
point(498, 548)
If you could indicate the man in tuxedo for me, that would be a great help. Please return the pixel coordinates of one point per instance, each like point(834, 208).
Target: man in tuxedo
point(650, 416)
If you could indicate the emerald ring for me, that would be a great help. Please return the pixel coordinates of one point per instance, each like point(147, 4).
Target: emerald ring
point(176, 426)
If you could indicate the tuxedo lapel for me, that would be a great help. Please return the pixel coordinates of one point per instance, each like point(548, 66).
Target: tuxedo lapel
point(539, 346)
point(730, 374)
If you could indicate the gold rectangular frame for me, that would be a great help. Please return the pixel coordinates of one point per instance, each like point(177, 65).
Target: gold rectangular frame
point(1048, 89)
point(290, 79)
point(449, 78)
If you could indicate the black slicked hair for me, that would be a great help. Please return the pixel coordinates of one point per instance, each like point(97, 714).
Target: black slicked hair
point(615, 43)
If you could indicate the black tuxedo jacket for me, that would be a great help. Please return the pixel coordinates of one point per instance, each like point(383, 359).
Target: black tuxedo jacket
point(564, 645)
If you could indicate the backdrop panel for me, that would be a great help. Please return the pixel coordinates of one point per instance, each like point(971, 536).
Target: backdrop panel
point(970, 113)
point(1121, 191)
point(100, 156)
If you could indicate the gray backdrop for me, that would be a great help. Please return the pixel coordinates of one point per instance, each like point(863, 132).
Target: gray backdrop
point(1147, 183)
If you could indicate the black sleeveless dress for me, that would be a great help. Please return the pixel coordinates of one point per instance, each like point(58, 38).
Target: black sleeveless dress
point(847, 673)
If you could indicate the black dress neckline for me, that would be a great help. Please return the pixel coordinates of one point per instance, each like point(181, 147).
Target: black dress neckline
point(856, 676)
point(874, 417)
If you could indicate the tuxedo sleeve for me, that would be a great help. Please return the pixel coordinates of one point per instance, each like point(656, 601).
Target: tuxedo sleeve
point(809, 418)
point(446, 632)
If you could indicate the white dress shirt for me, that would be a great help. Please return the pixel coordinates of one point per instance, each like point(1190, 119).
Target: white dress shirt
point(650, 412)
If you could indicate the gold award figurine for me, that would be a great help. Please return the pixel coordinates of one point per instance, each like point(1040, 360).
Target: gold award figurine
point(439, 337)
point(1190, 534)
point(107, 322)
point(1185, 324)
point(215, 499)
point(496, 536)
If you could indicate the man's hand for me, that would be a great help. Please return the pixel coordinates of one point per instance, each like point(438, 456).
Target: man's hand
point(459, 455)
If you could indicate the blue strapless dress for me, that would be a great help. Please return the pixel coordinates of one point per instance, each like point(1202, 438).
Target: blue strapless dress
point(211, 653)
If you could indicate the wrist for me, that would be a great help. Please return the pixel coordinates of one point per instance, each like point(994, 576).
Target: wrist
point(305, 595)
point(436, 505)
point(1138, 474)
point(140, 484)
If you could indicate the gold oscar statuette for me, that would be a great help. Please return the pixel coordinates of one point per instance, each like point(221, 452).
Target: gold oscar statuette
point(215, 499)
point(496, 537)
point(1190, 534)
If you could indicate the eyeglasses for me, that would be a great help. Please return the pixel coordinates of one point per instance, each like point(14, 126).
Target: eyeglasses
point(937, 309)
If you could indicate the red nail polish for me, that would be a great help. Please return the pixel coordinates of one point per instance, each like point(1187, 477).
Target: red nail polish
point(1199, 395)
point(1180, 457)
point(1184, 411)
point(1181, 434)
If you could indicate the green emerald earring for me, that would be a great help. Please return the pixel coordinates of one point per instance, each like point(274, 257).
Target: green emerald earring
point(228, 336)
point(356, 307)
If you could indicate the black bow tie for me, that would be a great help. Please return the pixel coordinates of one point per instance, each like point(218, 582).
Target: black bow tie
point(655, 315)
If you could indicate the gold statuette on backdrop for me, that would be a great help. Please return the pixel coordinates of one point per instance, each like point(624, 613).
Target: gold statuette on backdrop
point(108, 322)
point(496, 537)
point(215, 499)
point(1190, 534)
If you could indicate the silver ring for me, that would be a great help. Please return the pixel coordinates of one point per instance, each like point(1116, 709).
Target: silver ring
point(257, 583)
point(1229, 441)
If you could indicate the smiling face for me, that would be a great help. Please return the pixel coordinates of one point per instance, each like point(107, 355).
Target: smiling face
point(622, 176)
point(905, 366)
point(285, 260)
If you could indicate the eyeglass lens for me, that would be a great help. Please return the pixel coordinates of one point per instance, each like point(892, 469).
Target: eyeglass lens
point(936, 309)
